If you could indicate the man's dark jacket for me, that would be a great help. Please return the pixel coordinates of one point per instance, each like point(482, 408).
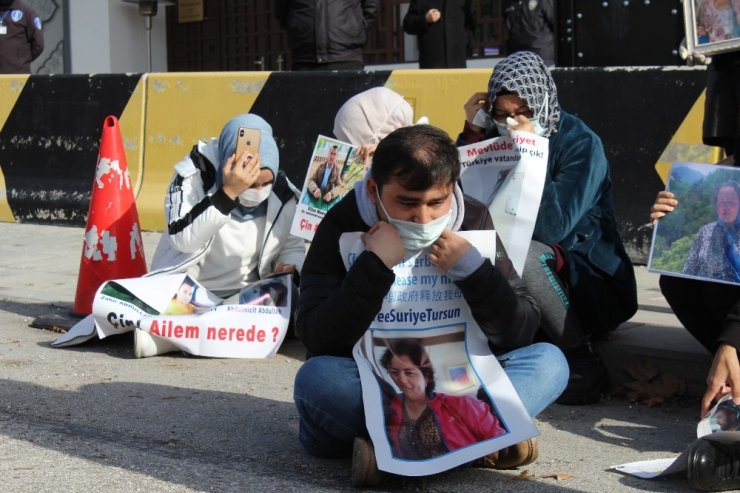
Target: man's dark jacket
point(326, 31)
point(337, 306)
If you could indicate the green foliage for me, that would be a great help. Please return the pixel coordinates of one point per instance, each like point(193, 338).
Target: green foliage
point(673, 259)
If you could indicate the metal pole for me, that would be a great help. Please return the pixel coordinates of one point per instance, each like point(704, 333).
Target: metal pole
point(148, 19)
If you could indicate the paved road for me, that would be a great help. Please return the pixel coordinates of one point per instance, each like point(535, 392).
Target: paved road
point(93, 418)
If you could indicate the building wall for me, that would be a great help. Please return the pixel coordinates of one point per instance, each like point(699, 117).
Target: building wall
point(109, 36)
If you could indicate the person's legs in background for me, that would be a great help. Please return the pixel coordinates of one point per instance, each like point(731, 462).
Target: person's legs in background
point(700, 306)
point(577, 303)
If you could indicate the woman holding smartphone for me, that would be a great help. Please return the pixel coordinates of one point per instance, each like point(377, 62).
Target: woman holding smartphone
point(229, 214)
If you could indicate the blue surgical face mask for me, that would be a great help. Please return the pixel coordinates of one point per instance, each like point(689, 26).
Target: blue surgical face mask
point(417, 236)
point(502, 129)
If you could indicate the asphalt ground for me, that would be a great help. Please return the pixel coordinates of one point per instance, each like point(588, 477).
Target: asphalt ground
point(94, 418)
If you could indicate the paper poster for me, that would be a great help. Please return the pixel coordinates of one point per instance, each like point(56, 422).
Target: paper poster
point(700, 239)
point(180, 310)
point(721, 424)
point(332, 172)
point(508, 175)
point(434, 395)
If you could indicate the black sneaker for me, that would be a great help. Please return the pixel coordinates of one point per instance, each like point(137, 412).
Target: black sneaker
point(587, 381)
point(712, 465)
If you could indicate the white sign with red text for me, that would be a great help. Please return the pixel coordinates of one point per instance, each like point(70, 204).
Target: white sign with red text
point(508, 175)
point(177, 308)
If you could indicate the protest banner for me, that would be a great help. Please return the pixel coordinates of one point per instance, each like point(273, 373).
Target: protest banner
point(508, 175)
point(176, 308)
point(332, 172)
point(425, 346)
point(700, 238)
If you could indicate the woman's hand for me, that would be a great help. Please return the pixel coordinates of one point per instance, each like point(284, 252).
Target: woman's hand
point(447, 251)
point(476, 102)
point(366, 151)
point(664, 203)
point(523, 124)
point(281, 268)
point(240, 173)
point(384, 241)
point(724, 377)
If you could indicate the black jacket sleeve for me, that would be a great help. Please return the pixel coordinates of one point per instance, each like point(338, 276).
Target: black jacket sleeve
point(731, 327)
point(336, 306)
point(414, 22)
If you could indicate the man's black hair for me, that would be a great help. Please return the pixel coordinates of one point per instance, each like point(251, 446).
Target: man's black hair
point(419, 157)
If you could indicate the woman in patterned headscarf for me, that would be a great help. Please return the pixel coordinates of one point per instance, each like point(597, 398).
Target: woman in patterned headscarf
point(576, 268)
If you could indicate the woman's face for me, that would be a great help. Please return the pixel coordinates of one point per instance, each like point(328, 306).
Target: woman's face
point(407, 377)
point(728, 204)
point(510, 105)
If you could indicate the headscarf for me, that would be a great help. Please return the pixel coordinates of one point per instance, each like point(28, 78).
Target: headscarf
point(369, 116)
point(269, 157)
point(525, 74)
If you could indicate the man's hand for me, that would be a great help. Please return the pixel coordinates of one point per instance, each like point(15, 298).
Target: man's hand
point(476, 102)
point(664, 203)
point(385, 242)
point(447, 251)
point(692, 59)
point(328, 196)
point(240, 173)
point(432, 16)
point(724, 377)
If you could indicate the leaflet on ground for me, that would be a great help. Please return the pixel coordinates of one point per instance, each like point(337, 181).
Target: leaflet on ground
point(700, 238)
point(333, 169)
point(251, 324)
point(434, 395)
point(508, 175)
point(716, 426)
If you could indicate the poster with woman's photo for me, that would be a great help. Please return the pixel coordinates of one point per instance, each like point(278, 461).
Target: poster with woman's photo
point(175, 307)
point(700, 239)
point(435, 396)
point(712, 26)
point(332, 172)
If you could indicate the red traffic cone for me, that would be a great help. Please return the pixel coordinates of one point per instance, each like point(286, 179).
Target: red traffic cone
point(112, 247)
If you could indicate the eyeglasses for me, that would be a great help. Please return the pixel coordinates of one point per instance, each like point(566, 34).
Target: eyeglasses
point(500, 116)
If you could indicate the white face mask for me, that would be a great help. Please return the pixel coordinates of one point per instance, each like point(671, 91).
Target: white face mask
point(417, 236)
point(252, 197)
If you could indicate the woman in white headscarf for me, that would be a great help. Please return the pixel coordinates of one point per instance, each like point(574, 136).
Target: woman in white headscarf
point(369, 116)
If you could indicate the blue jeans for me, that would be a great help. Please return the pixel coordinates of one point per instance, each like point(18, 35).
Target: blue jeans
point(328, 394)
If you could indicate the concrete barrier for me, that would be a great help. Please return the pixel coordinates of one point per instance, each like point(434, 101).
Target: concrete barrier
point(50, 127)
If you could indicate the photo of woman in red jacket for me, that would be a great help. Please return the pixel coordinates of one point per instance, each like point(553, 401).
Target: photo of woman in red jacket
point(422, 423)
